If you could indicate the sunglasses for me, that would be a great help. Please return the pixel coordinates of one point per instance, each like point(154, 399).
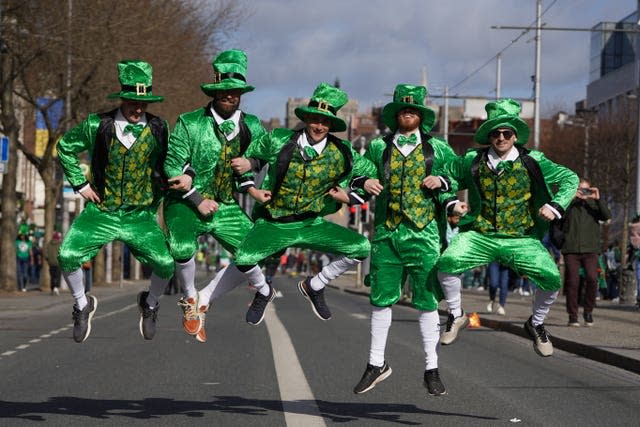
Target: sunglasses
point(506, 133)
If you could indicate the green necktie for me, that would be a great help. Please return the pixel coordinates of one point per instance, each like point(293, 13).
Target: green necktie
point(136, 129)
point(504, 165)
point(227, 126)
point(310, 152)
point(403, 140)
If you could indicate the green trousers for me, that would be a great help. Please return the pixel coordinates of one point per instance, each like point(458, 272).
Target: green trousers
point(524, 255)
point(405, 252)
point(270, 237)
point(138, 229)
point(228, 225)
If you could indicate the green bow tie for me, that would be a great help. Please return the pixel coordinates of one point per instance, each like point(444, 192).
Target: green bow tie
point(504, 165)
point(227, 126)
point(310, 152)
point(403, 140)
point(136, 129)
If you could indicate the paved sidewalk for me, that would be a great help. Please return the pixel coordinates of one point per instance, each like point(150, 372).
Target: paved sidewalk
point(613, 339)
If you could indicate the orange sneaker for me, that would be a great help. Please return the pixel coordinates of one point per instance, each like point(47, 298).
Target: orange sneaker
point(202, 334)
point(191, 321)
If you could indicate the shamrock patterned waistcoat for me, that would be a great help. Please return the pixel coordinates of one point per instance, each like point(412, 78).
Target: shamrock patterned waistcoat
point(506, 200)
point(306, 182)
point(223, 178)
point(129, 173)
point(407, 199)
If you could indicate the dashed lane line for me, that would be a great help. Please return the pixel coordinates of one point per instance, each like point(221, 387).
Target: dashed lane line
point(59, 330)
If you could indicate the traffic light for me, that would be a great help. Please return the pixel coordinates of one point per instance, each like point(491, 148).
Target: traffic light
point(352, 215)
point(364, 213)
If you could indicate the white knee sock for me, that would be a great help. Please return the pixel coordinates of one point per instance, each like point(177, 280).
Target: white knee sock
point(380, 324)
point(331, 271)
point(542, 302)
point(430, 330)
point(75, 281)
point(157, 287)
point(451, 286)
point(227, 279)
point(186, 275)
point(257, 279)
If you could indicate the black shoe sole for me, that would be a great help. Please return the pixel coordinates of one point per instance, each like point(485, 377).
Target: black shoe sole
point(381, 378)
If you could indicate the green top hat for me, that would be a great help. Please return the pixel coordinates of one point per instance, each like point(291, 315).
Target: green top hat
point(503, 113)
point(326, 101)
point(229, 72)
point(408, 96)
point(135, 81)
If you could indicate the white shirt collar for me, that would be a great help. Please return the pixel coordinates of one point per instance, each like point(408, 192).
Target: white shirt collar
point(494, 159)
point(235, 118)
point(304, 142)
point(120, 122)
point(407, 148)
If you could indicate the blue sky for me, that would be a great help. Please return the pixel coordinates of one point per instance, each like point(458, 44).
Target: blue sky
point(371, 45)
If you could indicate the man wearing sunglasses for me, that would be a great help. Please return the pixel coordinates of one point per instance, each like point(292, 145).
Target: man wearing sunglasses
point(510, 206)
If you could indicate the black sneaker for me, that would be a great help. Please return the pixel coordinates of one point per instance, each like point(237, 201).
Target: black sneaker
point(433, 383)
point(255, 314)
point(316, 298)
point(148, 316)
point(541, 342)
point(372, 376)
point(588, 319)
point(82, 319)
point(453, 326)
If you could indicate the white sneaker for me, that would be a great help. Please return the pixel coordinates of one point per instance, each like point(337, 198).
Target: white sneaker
point(616, 300)
point(500, 310)
point(490, 307)
point(526, 293)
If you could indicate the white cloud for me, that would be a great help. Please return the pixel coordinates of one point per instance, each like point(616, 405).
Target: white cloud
point(373, 45)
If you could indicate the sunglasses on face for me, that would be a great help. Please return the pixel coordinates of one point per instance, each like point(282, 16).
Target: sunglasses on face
point(506, 133)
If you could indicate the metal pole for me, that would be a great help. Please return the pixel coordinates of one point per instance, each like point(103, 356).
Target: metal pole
point(638, 106)
point(498, 74)
point(445, 125)
point(536, 100)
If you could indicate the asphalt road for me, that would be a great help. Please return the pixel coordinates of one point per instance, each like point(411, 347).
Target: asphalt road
point(293, 370)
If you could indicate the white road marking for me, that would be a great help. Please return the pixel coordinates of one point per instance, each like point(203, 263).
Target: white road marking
point(64, 328)
point(298, 402)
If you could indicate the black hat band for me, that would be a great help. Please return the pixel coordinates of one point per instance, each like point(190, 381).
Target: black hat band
point(323, 106)
point(139, 89)
point(218, 77)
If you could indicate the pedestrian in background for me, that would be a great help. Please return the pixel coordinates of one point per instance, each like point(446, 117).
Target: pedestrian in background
point(51, 251)
point(498, 281)
point(581, 228)
point(127, 147)
point(23, 259)
point(613, 271)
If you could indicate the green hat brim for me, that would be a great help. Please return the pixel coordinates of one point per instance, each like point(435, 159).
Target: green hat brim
point(520, 126)
point(390, 111)
point(337, 124)
point(134, 97)
point(228, 84)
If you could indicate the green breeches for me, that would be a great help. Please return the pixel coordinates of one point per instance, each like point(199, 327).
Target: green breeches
point(139, 230)
point(228, 225)
point(400, 253)
point(524, 255)
point(270, 237)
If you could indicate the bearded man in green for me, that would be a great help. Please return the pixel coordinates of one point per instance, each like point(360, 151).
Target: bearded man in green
point(205, 145)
